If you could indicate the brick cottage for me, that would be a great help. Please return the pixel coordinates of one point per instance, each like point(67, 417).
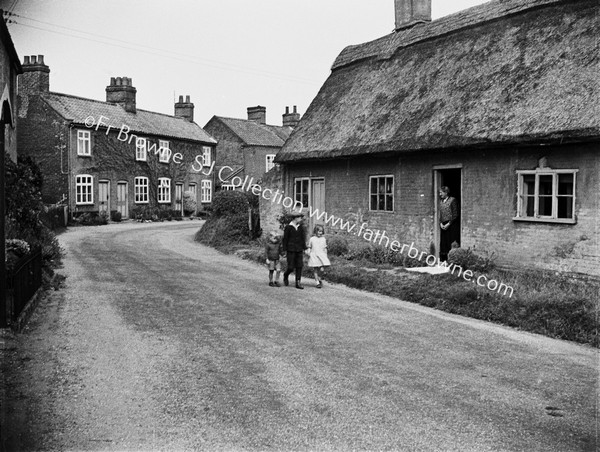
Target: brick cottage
point(111, 156)
point(498, 102)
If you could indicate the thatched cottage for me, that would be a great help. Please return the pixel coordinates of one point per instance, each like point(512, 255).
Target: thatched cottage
point(499, 102)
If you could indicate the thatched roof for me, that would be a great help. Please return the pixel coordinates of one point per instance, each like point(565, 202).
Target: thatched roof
point(507, 71)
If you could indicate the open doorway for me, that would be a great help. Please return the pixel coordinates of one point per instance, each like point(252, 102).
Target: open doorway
point(451, 177)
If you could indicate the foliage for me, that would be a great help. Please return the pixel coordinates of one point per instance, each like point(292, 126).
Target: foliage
point(90, 219)
point(469, 260)
point(24, 209)
point(226, 230)
point(229, 202)
point(16, 246)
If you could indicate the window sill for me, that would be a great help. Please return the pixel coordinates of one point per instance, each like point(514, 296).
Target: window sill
point(546, 220)
point(84, 204)
point(84, 155)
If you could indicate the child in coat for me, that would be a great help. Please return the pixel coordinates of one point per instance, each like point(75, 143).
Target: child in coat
point(273, 250)
point(317, 252)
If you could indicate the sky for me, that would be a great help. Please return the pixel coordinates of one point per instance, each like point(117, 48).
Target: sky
point(227, 55)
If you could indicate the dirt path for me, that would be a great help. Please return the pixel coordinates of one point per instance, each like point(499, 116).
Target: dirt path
point(159, 343)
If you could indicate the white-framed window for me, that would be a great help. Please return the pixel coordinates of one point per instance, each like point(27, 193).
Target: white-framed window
point(84, 143)
point(84, 189)
point(141, 149)
point(546, 194)
point(164, 189)
point(206, 191)
point(381, 193)
point(141, 190)
point(206, 156)
point(301, 190)
point(164, 154)
point(269, 161)
point(227, 187)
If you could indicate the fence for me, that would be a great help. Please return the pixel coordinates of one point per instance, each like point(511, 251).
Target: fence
point(23, 281)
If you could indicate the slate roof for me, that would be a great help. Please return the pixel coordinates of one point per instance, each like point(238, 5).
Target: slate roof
point(253, 133)
point(506, 71)
point(77, 109)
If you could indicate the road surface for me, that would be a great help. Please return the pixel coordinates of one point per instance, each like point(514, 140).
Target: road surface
point(159, 343)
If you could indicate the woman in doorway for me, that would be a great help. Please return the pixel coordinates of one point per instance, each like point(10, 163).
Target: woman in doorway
point(448, 222)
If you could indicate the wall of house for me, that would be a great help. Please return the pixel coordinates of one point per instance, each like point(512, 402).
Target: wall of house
point(114, 160)
point(229, 146)
point(488, 206)
point(255, 160)
point(44, 135)
point(8, 82)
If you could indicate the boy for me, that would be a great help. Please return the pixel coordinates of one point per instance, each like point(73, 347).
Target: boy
point(273, 250)
point(294, 243)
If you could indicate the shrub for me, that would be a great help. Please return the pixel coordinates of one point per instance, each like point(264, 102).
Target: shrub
point(18, 247)
point(337, 245)
point(229, 202)
point(225, 230)
point(189, 203)
point(116, 216)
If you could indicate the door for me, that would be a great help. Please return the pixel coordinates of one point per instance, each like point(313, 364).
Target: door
point(179, 197)
point(317, 199)
point(450, 177)
point(193, 189)
point(104, 197)
point(122, 199)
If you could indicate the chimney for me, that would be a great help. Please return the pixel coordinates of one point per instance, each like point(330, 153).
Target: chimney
point(291, 119)
point(257, 114)
point(35, 77)
point(411, 12)
point(122, 92)
point(185, 109)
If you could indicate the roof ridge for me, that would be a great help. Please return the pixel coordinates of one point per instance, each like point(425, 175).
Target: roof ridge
point(384, 47)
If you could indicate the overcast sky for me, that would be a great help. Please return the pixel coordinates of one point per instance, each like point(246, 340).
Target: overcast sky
point(226, 54)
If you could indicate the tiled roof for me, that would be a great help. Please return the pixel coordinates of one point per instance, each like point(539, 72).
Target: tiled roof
point(78, 109)
point(255, 134)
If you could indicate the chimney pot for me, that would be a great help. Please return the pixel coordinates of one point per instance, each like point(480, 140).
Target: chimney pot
point(26, 60)
point(180, 99)
point(287, 110)
point(295, 109)
point(33, 59)
point(40, 59)
point(187, 99)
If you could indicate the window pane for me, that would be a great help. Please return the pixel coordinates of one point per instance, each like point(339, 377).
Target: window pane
point(545, 206)
point(373, 185)
point(565, 184)
point(565, 207)
point(373, 202)
point(528, 184)
point(545, 185)
point(389, 204)
point(528, 206)
point(389, 185)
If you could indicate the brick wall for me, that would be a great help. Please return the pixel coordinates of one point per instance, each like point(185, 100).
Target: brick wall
point(488, 204)
point(255, 160)
point(44, 135)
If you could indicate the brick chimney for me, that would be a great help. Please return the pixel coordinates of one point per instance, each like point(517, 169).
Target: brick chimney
point(35, 77)
point(184, 109)
point(257, 114)
point(122, 92)
point(291, 119)
point(411, 12)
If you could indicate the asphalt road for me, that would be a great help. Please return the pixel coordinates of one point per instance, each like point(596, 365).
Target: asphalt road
point(159, 343)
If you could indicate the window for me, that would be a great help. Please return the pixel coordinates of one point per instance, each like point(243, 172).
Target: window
point(545, 194)
point(164, 151)
point(84, 189)
point(141, 190)
point(141, 149)
point(194, 189)
point(269, 161)
point(206, 191)
point(301, 191)
point(206, 156)
point(84, 143)
point(381, 192)
point(164, 190)
point(228, 187)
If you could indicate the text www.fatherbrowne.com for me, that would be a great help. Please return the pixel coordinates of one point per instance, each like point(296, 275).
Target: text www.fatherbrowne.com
point(380, 238)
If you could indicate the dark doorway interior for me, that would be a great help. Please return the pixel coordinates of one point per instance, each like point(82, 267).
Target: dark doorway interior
point(452, 179)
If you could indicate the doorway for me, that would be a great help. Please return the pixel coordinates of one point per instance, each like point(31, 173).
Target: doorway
point(104, 197)
point(122, 199)
point(451, 177)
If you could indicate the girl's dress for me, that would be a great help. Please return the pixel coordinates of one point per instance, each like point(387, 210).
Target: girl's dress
point(318, 252)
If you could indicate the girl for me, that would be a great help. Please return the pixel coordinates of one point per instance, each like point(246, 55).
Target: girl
point(317, 252)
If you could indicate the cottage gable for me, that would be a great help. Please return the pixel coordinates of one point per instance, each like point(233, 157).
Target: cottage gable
point(503, 72)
